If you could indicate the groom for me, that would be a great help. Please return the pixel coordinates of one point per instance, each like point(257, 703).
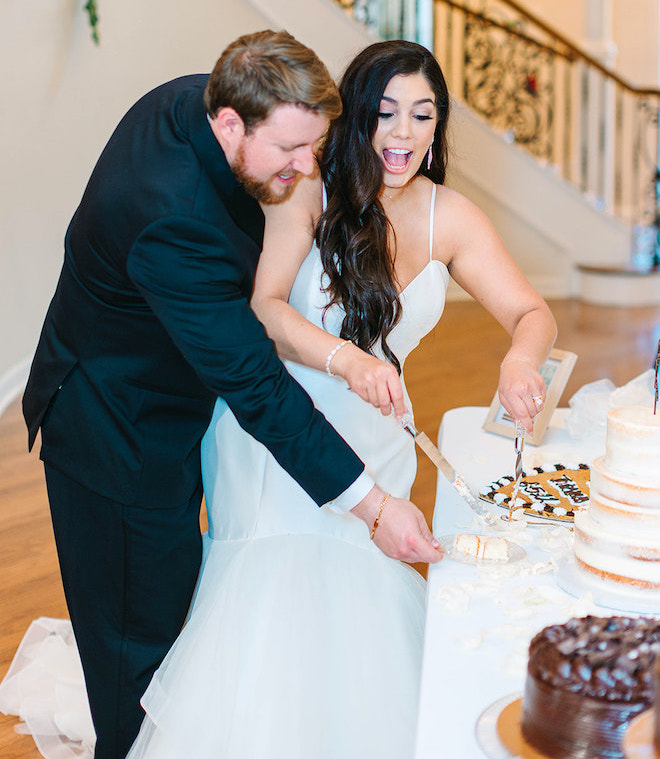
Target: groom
point(149, 323)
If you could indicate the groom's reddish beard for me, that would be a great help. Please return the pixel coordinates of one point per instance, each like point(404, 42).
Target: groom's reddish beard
point(261, 191)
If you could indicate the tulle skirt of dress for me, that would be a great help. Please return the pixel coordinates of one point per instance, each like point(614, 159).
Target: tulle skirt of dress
point(45, 687)
point(297, 647)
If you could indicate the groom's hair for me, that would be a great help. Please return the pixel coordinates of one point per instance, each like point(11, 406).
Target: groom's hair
point(260, 71)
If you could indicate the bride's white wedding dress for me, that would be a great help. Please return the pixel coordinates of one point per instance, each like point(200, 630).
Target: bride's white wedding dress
point(303, 639)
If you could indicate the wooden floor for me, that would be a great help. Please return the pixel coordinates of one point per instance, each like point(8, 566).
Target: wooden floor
point(456, 365)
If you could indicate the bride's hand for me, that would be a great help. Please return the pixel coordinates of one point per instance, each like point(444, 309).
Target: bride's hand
point(521, 390)
point(401, 532)
point(375, 381)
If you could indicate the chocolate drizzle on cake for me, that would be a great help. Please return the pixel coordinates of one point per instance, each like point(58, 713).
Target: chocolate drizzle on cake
point(586, 680)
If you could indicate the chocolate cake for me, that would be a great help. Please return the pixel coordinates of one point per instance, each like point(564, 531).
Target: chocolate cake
point(586, 680)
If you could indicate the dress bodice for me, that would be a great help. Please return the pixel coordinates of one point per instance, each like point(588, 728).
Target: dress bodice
point(422, 300)
point(422, 303)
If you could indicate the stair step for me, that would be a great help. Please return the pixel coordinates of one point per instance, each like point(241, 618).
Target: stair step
point(612, 286)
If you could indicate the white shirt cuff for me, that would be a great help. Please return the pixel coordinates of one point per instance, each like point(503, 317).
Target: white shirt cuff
point(353, 494)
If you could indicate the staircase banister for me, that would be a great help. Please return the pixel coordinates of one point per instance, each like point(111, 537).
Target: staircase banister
point(571, 53)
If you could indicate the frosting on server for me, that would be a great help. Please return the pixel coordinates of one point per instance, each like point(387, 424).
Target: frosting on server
point(586, 680)
point(618, 536)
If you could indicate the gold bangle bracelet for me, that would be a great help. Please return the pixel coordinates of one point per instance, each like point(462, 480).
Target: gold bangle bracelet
point(380, 511)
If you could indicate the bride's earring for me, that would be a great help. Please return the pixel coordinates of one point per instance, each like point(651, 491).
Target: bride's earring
point(429, 158)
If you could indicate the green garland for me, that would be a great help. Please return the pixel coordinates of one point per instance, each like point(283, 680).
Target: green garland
point(92, 12)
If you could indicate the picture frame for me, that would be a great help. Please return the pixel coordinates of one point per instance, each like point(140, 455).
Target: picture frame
point(555, 371)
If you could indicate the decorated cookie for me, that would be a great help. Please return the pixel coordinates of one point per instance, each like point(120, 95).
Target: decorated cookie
point(551, 491)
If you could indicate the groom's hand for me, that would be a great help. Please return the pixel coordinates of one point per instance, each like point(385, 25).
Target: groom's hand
point(402, 532)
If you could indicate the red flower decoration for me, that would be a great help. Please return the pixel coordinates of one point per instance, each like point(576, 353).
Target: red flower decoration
point(531, 85)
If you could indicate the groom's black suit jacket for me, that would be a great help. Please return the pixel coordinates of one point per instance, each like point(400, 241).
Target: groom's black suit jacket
point(150, 322)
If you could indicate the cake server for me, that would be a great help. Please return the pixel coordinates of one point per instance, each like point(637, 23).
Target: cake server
point(518, 444)
point(443, 466)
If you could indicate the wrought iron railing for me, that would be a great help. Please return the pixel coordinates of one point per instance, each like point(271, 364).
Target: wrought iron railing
point(545, 94)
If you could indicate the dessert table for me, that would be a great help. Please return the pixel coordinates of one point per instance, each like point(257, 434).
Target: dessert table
point(480, 619)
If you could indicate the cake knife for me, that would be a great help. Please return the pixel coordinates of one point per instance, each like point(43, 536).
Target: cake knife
point(655, 381)
point(443, 466)
point(518, 444)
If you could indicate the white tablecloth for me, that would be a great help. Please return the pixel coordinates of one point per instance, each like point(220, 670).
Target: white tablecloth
point(479, 623)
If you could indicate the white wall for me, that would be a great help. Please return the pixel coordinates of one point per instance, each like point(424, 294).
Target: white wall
point(636, 37)
point(570, 16)
point(65, 96)
point(633, 27)
point(61, 97)
point(322, 25)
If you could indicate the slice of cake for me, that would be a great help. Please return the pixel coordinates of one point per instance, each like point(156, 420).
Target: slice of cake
point(617, 537)
point(586, 680)
point(482, 547)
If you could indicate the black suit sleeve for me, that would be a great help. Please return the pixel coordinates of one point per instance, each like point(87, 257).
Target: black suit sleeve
point(197, 290)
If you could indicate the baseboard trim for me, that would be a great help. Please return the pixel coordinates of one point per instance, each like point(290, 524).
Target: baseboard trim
point(12, 383)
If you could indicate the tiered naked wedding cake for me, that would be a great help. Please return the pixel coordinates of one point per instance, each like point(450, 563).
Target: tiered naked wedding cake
point(617, 538)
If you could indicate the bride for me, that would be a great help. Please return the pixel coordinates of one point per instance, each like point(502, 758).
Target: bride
point(304, 639)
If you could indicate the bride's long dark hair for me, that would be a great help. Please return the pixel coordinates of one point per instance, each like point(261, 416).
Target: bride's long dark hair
point(352, 231)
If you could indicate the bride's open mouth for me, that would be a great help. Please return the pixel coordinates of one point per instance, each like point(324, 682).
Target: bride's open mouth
point(396, 159)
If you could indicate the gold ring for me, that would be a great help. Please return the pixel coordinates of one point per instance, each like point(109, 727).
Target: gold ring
point(538, 399)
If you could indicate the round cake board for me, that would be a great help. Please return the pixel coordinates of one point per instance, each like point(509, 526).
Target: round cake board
point(510, 732)
point(499, 732)
point(578, 583)
point(638, 740)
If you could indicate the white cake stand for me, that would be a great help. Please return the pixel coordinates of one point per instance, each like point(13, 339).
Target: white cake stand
point(578, 583)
